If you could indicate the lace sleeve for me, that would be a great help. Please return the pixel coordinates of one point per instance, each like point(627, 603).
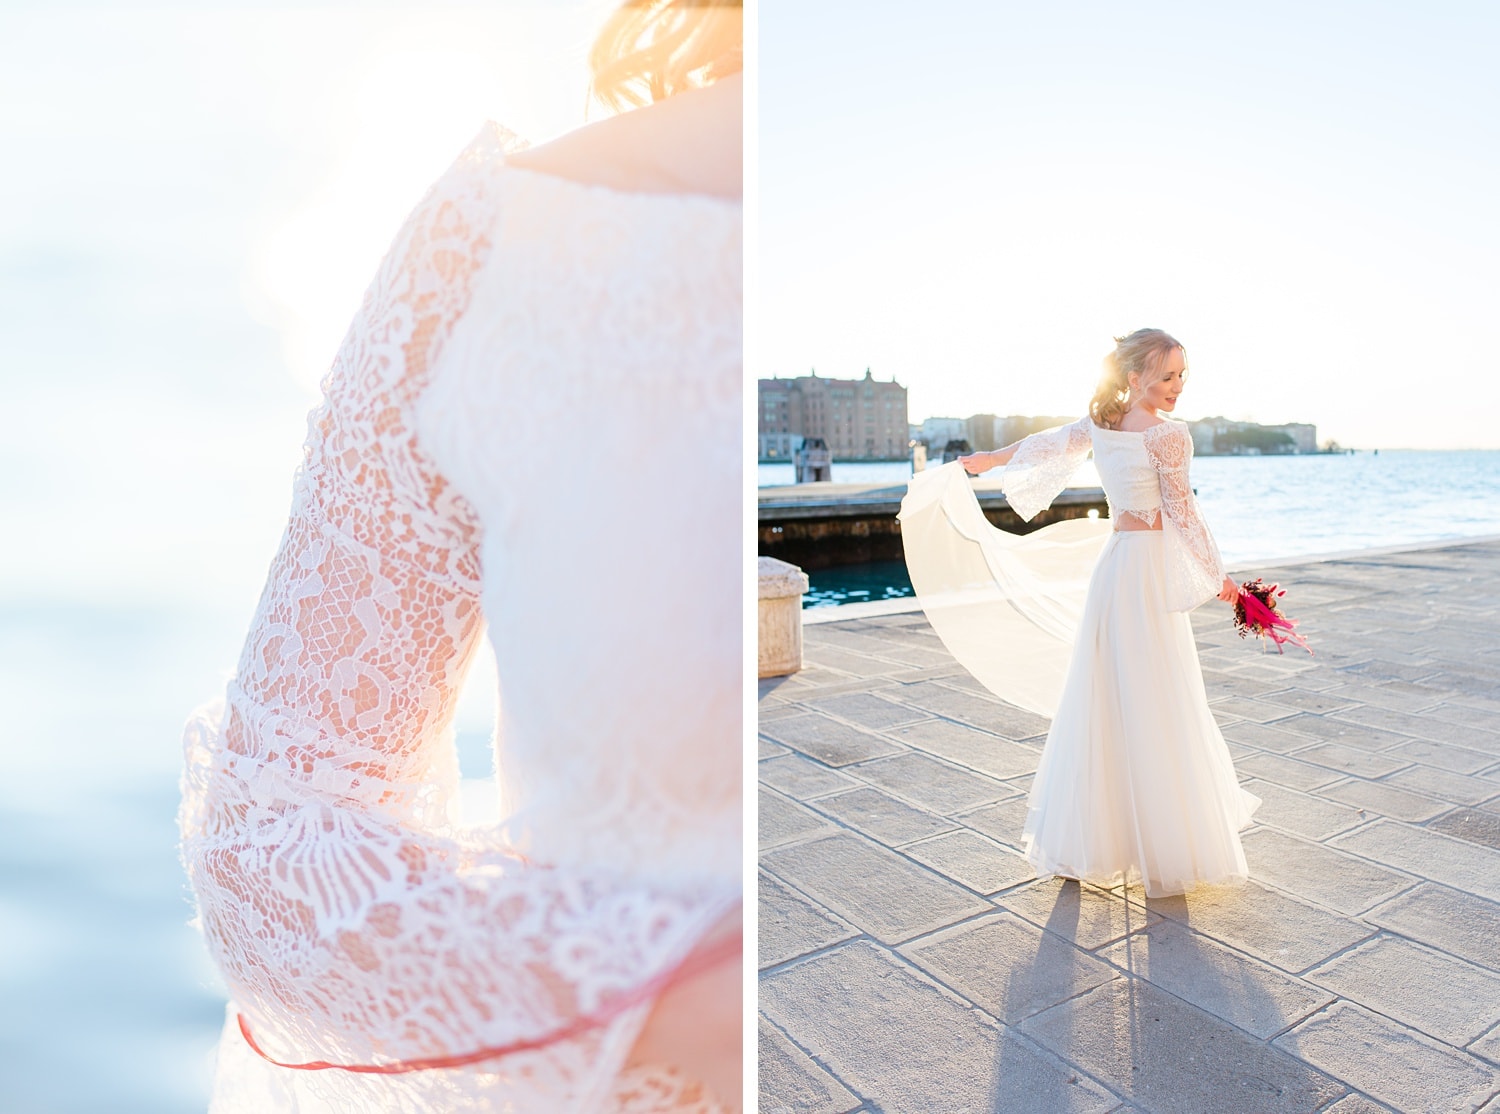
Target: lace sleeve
point(351, 921)
point(1042, 466)
point(1195, 571)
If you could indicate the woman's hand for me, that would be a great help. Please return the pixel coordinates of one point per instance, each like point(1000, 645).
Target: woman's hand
point(1230, 591)
point(975, 463)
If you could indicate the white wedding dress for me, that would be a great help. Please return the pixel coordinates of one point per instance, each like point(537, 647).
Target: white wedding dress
point(1088, 625)
point(533, 425)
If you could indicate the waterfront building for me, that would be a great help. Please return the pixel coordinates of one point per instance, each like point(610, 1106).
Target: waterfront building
point(1222, 437)
point(858, 419)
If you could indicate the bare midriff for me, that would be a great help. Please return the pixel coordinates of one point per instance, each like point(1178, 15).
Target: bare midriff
point(1130, 522)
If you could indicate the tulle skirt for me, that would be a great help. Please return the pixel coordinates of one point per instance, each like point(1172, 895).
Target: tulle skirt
point(1136, 783)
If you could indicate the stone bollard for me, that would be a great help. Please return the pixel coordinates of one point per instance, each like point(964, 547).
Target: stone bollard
point(780, 621)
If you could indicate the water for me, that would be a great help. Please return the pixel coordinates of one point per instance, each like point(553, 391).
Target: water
point(1263, 508)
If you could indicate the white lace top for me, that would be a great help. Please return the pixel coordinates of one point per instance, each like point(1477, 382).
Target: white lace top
point(1145, 476)
point(533, 423)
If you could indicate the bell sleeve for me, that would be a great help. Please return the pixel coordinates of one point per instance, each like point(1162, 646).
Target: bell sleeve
point(1042, 466)
point(1195, 571)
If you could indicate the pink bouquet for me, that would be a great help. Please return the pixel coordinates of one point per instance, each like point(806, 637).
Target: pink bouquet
point(1256, 612)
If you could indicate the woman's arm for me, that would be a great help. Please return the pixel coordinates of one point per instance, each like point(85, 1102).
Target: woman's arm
point(1195, 571)
point(977, 463)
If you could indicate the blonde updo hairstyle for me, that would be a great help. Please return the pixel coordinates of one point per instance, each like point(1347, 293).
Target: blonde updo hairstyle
point(1143, 352)
point(649, 49)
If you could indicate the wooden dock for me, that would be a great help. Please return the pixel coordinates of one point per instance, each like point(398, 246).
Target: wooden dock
point(820, 525)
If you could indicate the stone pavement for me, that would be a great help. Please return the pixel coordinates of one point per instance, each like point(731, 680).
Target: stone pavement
point(910, 961)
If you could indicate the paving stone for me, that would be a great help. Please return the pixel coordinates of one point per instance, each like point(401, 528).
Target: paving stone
point(1264, 737)
point(1309, 700)
point(1001, 821)
point(846, 661)
point(1083, 915)
point(1475, 825)
point(1409, 724)
point(1488, 1046)
point(829, 741)
point(1320, 874)
point(866, 709)
point(968, 746)
point(1383, 799)
point(802, 778)
point(1431, 855)
point(1167, 1056)
point(972, 860)
point(1243, 991)
point(1007, 967)
point(873, 888)
point(936, 698)
point(769, 749)
point(1389, 1062)
point(882, 817)
point(1444, 756)
point(1286, 933)
point(1250, 708)
point(1395, 695)
point(1466, 715)
point(1351, 760)
point(1331, 729)
point(1356, 1104)
point(919, 1047)
point(788, 1082)
point(1286, 771)
point(935, 785)
point(1445, 918)
point(1299, 812)
point(1441, 996)
point(808, 679)
point(783, 821)
point(790, 924)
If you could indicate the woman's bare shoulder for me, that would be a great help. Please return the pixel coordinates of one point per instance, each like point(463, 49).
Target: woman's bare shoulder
point(687, 144)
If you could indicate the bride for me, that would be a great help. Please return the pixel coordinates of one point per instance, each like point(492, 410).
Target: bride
point(1087, 623)
point(498, 454)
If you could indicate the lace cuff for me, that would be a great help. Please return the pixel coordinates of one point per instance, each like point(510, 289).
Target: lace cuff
point(1195, 571)
point(1042, 466)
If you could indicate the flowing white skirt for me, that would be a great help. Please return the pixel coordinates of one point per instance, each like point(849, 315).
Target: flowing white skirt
point(1136, 783)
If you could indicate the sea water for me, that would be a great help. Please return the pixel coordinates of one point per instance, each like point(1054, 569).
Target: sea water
point(1261, 508)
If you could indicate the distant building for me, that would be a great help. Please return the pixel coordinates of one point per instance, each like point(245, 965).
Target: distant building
point(937, 432)
point(983, 432)
point(1222, 437)
point(858, 419)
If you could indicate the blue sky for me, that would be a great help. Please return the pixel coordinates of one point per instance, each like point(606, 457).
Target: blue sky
point(974, 198)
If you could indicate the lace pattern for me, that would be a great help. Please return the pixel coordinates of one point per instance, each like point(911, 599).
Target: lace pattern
point(1195, 571)
point(1043, 464)
point(352, 922)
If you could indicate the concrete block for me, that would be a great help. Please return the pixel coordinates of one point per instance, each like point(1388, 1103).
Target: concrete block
point(1081, 914)
point(790, 1083)
point(1335, 729)
point(783, 821)
point(791, 924)
point(1459, 788)
point(1286, 771)
point(1379, 798)
point(1167, 1056)
point(1300, 812)
point(866, 709)
point(873, 888)
point(1007, 967)
point(1443, 997)
point(1309, 700)
point(882, 817)
point(968, 746)
point(1283, 932)
point(1430, 855)
point(1265, 737)
point(1351, 760)
point(829, 741)
point(1475, 825)
point(919, 1047)
point(1250, 708)
point(1443, 756)
point(933, 784)
point(1001, 821)
point(1447, 919)
point(1243, 991)
point(1390, 1062)
point(972, 860)
point(801, 777)
point(1310, 870)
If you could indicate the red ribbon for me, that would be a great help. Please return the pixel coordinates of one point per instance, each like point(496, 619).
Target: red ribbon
point(692, 965)
point(1275, 626)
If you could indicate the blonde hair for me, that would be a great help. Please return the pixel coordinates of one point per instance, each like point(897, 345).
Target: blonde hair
point(1143, 351)
point(650, 49)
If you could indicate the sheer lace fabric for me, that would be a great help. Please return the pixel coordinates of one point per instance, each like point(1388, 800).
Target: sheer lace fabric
point(351, 920)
